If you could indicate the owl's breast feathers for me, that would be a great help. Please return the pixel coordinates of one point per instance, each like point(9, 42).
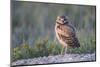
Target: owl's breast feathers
point(67, 34)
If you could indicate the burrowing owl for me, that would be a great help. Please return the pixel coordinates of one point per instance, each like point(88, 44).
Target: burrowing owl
point(65, 33)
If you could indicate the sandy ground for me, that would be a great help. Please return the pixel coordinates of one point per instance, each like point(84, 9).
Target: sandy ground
point(56, 59)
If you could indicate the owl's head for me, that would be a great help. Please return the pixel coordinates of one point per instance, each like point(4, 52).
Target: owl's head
point(62, 20)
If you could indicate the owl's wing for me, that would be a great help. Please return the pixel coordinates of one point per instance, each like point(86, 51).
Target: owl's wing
point(66, 30)
point(68, 35)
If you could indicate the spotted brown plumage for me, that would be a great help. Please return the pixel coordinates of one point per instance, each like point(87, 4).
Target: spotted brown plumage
point(66, 33)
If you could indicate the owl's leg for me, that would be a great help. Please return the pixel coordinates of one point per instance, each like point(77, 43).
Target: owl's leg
point(62, 50)
point(65, 50)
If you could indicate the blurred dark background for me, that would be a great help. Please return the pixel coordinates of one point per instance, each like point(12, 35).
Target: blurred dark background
point(33, 20)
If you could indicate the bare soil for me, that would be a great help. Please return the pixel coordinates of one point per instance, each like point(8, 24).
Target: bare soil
point(56, 59)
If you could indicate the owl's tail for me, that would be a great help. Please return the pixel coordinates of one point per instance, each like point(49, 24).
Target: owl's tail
point(76, 43)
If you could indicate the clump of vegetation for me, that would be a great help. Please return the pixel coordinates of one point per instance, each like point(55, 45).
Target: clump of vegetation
point(46, 47)
point(40, 48)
